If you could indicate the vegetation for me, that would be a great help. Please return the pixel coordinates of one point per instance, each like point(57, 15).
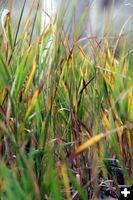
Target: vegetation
point(65, 115)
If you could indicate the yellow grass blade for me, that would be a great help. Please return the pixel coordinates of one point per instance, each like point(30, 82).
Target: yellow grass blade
point(130, 105)
point(32, 105)
point(105, 119)
point(66, 181)
point(89, 143)
point(120, 135)
point(97, 138)
point(31, 75)
point(2, 95)
point(129, 139)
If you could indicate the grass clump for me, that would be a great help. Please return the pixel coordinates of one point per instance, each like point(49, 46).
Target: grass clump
point(65, 116)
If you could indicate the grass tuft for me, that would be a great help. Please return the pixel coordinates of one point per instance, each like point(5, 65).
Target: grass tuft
point(65, 114)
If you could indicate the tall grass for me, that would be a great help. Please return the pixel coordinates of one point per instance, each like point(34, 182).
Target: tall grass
point(65, 116)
